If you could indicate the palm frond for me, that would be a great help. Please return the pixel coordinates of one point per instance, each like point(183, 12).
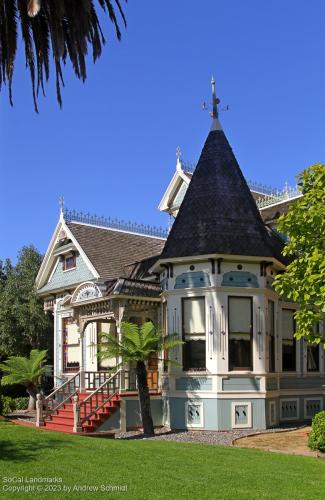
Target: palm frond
point(20, 370)
point(63, 28)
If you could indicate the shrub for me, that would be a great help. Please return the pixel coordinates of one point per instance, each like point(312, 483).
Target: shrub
point(8, 405)
point(21, 403)
point(11, 404)
point(316, 439)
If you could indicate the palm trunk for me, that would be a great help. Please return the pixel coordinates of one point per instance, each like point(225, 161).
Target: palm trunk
point(32, 392)
point(144, 397)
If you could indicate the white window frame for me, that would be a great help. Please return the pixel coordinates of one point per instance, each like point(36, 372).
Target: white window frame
point(272, 404)
point(284, 419)
point(249, 414)
point(320, 399)
point(194, 403)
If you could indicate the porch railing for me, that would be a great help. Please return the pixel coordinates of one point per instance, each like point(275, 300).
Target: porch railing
point(61, 395)
point(127, 380)
point(97, 399)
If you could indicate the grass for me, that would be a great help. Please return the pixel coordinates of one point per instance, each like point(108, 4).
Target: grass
point(151, 469)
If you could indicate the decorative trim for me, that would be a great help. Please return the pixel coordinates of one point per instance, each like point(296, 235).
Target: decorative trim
point(308, 417)
point(197, 404)
point(248, 405)
point(272, 404)
point(118, 224)
point(297, 412)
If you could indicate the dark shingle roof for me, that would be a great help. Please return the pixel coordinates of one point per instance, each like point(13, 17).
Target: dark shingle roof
point(218, 213)
point(110, 250)
point(131, 287)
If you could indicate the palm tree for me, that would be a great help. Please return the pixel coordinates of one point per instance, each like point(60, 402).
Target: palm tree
point(26, 371)
point(137, 344)
point(64, 27)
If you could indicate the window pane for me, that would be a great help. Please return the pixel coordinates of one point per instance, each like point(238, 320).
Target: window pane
point(288, 341)
point(312, 358)
point(240, 333)
point(287, 324)
point(240, 315)
point(194, 315)
point(194, 334)
point(194, 355)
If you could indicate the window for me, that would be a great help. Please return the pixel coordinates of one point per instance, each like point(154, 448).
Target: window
point(313, 358)
point(288, 341)
point(271, 335)
point(313, 351)
point(70, 345)
point(69, 262)
point(194, 333)
point(104, 329)
point(240, 333)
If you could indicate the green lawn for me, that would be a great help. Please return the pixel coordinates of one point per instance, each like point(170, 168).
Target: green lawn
point(151, 469)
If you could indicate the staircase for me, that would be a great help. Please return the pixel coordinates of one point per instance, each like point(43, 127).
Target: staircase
point(63, 418)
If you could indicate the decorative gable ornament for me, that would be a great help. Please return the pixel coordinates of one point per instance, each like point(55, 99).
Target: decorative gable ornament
point(86, 291)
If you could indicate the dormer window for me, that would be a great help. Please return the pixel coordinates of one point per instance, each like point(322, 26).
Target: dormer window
point(69, 262)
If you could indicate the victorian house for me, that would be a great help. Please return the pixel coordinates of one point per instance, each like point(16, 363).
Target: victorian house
point(209, 280)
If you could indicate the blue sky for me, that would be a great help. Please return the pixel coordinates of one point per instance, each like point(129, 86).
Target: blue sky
point(111, 149)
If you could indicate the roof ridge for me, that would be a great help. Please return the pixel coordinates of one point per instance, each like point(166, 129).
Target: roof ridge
point(109, 223)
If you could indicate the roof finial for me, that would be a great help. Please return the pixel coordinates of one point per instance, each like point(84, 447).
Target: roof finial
point(178, 158)
point(215, 101)
point(61, 203)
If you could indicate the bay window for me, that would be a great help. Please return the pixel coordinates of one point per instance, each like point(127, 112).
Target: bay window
point(240, 333)
point(193, 322)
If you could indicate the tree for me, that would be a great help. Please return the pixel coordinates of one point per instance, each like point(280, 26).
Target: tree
point(304, 280)
point(23, 323)
point(138, 344)
point(64, 27)
point(27, 372)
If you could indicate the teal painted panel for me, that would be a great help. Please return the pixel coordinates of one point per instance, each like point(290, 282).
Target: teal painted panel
point(240, 279)
point(195, 279)
point(133, 416)
point(267, 411)
point(271, 384)
point(225, 408)
point(302, 383)
point(193, 384)
point(63, 279)
point(241, 384)
point(177, 412)
point(216, 412)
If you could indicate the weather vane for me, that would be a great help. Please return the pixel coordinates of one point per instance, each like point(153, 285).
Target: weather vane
point(215, 101)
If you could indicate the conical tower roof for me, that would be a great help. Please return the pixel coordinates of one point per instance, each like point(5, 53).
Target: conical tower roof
point(218, 213)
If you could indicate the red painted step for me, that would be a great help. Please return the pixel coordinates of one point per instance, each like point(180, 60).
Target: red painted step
point(62, 420)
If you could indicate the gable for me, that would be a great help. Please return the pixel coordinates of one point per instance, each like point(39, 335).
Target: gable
point(65, 279)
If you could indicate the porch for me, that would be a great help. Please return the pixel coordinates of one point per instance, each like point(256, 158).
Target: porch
point(87, 400)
